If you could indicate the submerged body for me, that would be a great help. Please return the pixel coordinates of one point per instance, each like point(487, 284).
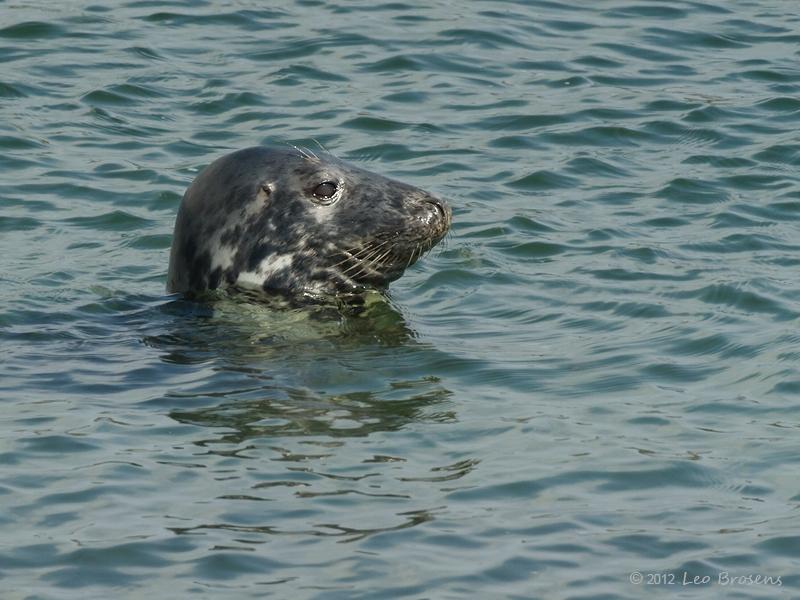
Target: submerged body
point(281, 220)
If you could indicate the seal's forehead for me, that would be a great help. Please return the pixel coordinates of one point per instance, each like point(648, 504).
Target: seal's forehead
point(298, 164)
point(322, 167)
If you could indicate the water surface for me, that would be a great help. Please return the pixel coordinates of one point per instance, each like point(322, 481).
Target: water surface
point(596, 376)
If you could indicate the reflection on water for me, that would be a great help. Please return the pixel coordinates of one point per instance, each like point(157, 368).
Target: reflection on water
point(292, 357)
point(242, 327)
point(309, 382)
point(303, 412)
point(347, 534)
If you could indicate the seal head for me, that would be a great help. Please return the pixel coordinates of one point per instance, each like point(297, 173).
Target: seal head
point(300, 224)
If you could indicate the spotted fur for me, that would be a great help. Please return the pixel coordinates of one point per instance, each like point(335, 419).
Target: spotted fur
point(251, 220)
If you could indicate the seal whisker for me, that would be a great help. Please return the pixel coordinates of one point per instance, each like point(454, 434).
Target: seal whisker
point(352, 254)
point(378, 247)
point(381, 246)
point(302, 153)
point(369, 248)
point(442, 248)
point(410, 257)
point(371, 262)
point(344, 260)
point(372, 245)
point(362, 270)
point(355, 268)
point(379, 260)
point(423, 248)
point(358, 266)
point(321, 147)
point(362, 262)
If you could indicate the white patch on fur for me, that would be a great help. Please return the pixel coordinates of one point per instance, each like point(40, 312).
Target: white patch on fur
point(249, 279)
point(275, 263)
point(321, 214)
point(267, 267)
point(257, 205)
point(221, 256)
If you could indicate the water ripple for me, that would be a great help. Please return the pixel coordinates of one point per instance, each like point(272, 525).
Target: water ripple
point(596, 375)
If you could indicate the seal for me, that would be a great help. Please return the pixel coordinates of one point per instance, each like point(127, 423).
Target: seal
point(301, 224)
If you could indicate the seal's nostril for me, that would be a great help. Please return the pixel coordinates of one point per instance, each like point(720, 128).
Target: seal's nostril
point(438, 207)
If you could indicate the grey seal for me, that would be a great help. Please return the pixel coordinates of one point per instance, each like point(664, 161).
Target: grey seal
point(298, 223)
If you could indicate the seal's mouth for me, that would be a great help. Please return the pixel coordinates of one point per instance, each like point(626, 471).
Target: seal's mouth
point(384, 257)
point(379, 262)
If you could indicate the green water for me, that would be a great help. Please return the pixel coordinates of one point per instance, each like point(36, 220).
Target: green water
point(596, 376)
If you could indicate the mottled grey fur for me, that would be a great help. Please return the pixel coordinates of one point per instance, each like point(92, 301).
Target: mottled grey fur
point(251, 220)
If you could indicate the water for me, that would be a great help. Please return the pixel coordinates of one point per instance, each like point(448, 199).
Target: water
point(597, 376)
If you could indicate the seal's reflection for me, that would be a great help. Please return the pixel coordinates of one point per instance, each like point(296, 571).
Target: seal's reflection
point(266, 370)
point(305, 413)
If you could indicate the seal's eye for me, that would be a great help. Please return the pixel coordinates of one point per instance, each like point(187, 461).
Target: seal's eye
point(325, 190)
